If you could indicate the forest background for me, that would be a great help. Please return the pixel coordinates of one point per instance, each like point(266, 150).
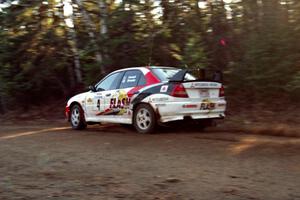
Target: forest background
point(52, 49)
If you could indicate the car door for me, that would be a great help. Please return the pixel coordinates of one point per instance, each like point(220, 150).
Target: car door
point(97, 102)
point(131, 81)
point(118, 100)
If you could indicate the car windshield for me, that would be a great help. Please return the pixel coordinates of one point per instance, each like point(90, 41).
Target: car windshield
point(165, 74)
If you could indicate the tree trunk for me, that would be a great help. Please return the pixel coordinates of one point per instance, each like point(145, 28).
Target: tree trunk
point(3, 98)
point(77, 66)
point(71, 36)
point(103, 25)
point(2, 106)
point(91, 28)
point(103, 17)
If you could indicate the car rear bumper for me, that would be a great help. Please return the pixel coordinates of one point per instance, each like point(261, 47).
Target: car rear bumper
point(169, 118)
point(171, 111)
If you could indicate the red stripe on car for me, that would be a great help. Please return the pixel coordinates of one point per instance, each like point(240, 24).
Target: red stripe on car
point(131, 92)
point(151, 78)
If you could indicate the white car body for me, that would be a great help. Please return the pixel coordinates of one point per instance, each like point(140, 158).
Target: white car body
point(170, 100)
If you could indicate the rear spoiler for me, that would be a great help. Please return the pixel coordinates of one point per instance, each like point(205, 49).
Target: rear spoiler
point(179, 76)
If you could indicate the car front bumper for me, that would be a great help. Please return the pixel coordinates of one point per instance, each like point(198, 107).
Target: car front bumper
point(67, 113)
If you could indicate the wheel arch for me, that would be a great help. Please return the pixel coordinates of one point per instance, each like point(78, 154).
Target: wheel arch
point(156, 111)
point(73, 104)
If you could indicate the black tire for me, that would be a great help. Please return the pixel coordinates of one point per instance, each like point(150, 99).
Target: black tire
point(144, 119)
point(77, 119)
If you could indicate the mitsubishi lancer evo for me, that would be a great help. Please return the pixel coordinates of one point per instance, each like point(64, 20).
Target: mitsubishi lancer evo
point(146, 97)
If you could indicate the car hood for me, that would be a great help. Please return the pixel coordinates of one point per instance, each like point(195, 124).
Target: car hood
point(78, 98)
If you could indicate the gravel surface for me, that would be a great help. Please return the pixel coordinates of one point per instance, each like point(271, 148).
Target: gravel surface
point(51, 161)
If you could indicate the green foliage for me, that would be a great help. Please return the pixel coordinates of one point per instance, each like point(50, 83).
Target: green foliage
point(255, 43)
point(194, 54)
point(268, 65)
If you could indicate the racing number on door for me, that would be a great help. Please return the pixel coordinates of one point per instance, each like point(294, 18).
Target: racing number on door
point(98, 104)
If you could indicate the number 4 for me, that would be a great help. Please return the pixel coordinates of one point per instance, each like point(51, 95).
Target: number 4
point(98, 104)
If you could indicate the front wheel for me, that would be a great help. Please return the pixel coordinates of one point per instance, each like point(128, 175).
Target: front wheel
point(77, 118)
point(144, 119)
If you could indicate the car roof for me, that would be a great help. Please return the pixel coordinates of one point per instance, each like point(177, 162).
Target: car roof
point(143, 67)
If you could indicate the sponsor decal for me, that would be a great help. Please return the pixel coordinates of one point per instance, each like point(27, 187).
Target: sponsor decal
point(118, 104)
point(160, 104)
point(207, 105)
point(164, 88)
point(131, 79)
point(159, 99)
point(89, 100)
point(197, 85)
point(122, 101)
point(189, 106)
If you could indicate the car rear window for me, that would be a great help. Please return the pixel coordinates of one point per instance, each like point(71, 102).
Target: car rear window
point(165, 74)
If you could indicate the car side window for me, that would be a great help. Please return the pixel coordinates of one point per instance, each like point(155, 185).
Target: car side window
point(142, 80)
point(130, 79)
point(110, 83)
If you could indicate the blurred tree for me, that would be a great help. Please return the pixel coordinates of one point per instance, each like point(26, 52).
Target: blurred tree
point(67, 15)
point(269, 57)
point(91, 27)
point(35, 53)
point(48, 48)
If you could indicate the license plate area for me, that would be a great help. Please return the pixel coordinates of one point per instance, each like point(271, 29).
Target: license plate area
point(204, 93)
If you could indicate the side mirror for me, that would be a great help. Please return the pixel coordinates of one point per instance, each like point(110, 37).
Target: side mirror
point(92, 88)
point(100, 90)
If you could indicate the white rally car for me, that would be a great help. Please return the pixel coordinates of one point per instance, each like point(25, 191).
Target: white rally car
point(146, 97)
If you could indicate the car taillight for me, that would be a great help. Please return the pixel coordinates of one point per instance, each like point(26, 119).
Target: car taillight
point(179, 91)
point(221, 91)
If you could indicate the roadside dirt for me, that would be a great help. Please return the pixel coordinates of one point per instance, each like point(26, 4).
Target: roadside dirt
point(48, 160)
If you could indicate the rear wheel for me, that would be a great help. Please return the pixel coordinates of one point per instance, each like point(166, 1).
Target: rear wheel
point(144, 119)
point(77, 118)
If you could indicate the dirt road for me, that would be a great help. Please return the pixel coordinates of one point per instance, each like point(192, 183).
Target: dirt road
point(111, 162)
